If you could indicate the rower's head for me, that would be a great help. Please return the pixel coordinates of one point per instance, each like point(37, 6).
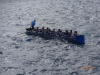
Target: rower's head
point(66, 31)
point(75, 32)
point(54, 29)
point(34, 20)
point(42, 27)
point(70, 31)
point(58, 29)
point(37, 28)
point(47, 28)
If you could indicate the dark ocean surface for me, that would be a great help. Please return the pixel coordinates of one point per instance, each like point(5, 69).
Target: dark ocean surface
point(18, 56)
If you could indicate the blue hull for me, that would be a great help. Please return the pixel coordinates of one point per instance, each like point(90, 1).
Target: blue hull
point(76, 40)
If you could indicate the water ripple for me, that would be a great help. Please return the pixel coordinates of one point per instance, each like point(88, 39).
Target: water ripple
point(32, 55)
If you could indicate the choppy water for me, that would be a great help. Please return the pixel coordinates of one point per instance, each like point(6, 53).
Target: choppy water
point(49, 57)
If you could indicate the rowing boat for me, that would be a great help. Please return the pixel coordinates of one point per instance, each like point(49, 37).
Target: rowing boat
point(79, 39)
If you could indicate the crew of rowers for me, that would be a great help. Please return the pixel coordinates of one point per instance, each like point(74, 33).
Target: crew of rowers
point(48, 31)
point(59, 32)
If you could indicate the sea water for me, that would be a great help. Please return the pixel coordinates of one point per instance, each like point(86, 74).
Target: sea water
point(30, 55)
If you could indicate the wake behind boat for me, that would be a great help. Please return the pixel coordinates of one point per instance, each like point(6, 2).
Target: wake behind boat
point(57, 34)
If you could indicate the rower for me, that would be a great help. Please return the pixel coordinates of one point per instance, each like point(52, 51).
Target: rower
point(75, 33)
point(62, 34)
point(47, 28)
point(58, 32)
point(42, 28)
point(47, 31)
point(70, 33)
point(40, 31)
point(53, 31)
point(37, 30)
point(66, 33)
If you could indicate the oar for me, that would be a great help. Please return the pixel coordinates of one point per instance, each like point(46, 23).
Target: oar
point(19, 34)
